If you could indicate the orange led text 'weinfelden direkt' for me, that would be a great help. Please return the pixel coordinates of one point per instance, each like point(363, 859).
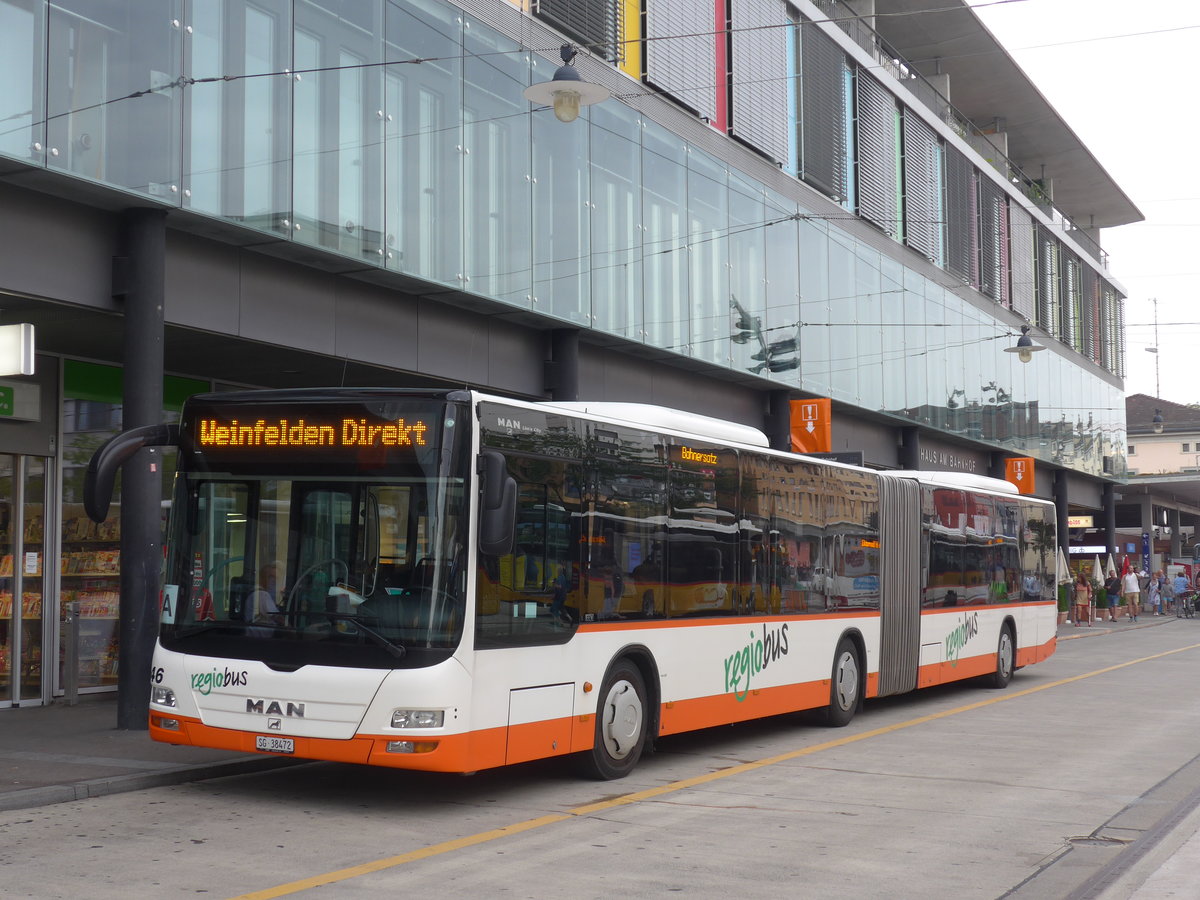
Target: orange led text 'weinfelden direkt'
point(300, 433)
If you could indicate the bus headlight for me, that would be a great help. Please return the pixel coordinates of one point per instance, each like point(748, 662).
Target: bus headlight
point(162, 696)
point(418, 718)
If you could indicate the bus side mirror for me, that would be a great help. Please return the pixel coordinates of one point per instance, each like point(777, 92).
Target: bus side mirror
point(497, 506)
point(101, 471)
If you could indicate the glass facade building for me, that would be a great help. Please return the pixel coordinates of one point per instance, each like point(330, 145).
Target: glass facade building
point(778, 210)
point(394, 133)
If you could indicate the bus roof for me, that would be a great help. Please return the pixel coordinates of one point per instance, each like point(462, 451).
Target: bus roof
point(647, 415)
point(957, 479)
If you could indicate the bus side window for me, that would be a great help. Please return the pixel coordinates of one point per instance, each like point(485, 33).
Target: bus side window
point(531, 595)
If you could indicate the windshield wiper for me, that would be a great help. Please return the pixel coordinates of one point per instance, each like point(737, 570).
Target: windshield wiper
point(396, 650)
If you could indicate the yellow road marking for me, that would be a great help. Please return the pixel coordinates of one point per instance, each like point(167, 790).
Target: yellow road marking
point(389, 862)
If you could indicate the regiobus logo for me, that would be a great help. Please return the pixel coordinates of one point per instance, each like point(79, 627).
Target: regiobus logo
point(957, 639)
point(752, 659)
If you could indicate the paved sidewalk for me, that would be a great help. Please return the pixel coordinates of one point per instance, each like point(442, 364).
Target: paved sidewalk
point(53, 754)
point(1100, 626)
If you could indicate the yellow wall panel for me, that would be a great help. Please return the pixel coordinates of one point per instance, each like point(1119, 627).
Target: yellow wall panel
point(631, 55)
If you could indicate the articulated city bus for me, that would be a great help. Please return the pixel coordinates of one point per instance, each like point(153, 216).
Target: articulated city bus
point(450, 581)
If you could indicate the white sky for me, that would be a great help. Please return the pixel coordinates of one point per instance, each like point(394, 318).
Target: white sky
point(1134, 100)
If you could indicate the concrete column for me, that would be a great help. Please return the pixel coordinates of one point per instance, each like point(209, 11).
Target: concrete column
point(941, 84)
point(1146, 514)
point(142, 284)
point(778, 420)
point(1109, 511)
point(1176, 525)
point(996, 464)
point(562, 369)
point(910, 448)
point(1061, 507)
point(864, 8)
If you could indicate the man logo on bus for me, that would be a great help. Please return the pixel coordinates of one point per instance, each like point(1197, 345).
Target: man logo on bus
point(957, 639)
point(274, 708)
point(752, 659)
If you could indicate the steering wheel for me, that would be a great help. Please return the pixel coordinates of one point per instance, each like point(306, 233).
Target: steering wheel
point(331, 561)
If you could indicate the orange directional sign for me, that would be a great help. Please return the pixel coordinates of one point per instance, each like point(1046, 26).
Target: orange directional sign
point(811, 426)
point(1019, 471)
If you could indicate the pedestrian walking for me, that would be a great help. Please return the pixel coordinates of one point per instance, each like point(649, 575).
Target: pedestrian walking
point(1131, 594)
point(1082, 591)
point(1154, 597)
point(1112, 590)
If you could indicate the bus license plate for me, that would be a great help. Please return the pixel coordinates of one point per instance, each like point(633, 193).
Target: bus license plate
point(271, 744)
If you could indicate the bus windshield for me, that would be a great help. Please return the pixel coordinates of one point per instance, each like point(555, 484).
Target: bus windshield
point(339, 564)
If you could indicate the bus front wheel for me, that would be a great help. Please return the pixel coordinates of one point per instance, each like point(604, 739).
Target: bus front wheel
point(845, 685)
point(620, 724)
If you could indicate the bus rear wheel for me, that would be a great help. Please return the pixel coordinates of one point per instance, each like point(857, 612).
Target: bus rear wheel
point(845, 685)
point(620, 724)
point(1005, 658)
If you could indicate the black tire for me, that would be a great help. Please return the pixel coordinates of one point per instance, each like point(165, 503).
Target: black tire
point(621, 718)
point(845, 685)
point(1006, 655)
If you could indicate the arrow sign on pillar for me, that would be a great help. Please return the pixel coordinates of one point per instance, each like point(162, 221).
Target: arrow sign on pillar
point(1019, 470)
point(811, 426)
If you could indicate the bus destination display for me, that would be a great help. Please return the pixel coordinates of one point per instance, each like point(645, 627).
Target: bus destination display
point(303, 432)
point(370, 434)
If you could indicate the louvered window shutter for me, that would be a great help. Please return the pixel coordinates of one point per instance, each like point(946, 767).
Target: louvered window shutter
point(1108, 333)
point(1072, 300)
point(877, 152)
point(923, 226)
point(1048, 300)
point(760, 82)
point(1091, 314)
point(1021, 260)
point(596, 23)
point(822, 112)
point(681, 52)
point(1119, 308)
point(962, 218)
point(993, 243)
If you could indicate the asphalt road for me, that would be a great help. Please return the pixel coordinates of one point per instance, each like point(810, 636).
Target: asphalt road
point(1058, 786)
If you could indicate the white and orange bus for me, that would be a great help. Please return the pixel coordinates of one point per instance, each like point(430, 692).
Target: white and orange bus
point(450, 581)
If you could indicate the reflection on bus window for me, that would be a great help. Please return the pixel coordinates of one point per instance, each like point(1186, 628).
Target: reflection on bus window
point(533, 594)
point(345, 568)
point(981, 549)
